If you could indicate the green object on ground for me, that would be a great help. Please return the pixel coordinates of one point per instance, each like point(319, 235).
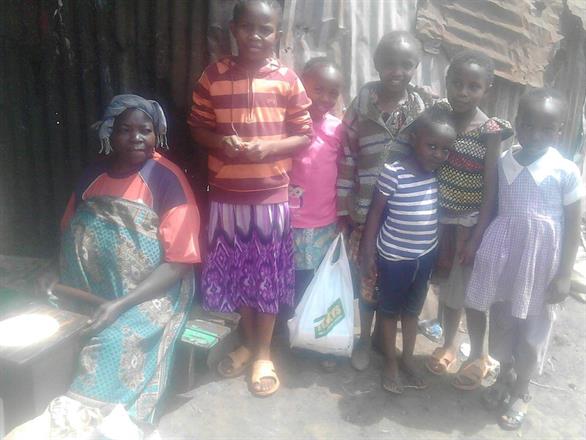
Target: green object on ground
point(199, 338)
point(202, 333)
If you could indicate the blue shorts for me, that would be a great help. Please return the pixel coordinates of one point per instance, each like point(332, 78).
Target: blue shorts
point(403, 284)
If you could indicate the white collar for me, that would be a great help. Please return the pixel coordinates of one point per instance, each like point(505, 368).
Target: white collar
point(539, 170)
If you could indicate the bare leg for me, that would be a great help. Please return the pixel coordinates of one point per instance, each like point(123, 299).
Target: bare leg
point(476, 329)
point(377, 337)
point(366, 317)
point(247, 327)
point(265, 324)
point(361, 354)
point(451, 324)
point(525, 366)
point(239, 359)
point(390, 370)
point(409, 330)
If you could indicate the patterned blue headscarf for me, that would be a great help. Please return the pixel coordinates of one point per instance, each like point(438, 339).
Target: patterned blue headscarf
point(121, 103)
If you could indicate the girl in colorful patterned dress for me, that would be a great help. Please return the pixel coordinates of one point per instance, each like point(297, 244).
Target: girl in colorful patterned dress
point(527, 253)
point(468, 190)
point(312, 191)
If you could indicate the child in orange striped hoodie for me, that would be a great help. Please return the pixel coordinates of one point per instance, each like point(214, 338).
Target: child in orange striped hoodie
point(251, 113)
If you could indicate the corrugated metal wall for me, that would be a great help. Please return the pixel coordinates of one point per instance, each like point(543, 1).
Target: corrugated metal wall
point(61, 62)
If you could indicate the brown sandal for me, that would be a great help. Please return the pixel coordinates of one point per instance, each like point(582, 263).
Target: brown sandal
point(470, 376)
point(240, 359)
point(440, 362)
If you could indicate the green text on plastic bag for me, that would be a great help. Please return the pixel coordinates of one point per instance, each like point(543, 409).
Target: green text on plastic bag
point(333, 316)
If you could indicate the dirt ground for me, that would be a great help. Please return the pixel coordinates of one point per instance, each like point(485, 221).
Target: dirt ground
point(346, 404)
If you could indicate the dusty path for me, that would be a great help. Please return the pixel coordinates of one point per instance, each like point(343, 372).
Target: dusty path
point(350, 405)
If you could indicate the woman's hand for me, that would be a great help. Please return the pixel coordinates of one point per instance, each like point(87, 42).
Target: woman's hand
point(104, 316)
point(559, 289)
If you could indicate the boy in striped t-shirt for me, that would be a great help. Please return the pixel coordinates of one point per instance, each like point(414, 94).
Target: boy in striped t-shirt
point(402, 227)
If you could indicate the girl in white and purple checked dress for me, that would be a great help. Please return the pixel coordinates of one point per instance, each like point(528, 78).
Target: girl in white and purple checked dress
point(527, 253)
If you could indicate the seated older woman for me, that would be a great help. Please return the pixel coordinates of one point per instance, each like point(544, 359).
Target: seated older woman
point(129, 236)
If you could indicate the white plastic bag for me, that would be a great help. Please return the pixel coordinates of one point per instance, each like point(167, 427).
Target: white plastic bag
point(324, 319)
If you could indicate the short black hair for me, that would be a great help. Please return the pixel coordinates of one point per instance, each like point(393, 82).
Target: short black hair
point(241, 5)
point(316, 62)
point(541, 94)
point(392, 38)
point(438, 114)
point(473, 57)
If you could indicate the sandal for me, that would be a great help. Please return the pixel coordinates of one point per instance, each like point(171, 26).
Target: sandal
point(495, 396)
point(392, 385)
point(498, 394)
point(329, 364)
point(514, 416)
point(240, 359)
point(441, 361)
point(470, 376)
point(264, 369)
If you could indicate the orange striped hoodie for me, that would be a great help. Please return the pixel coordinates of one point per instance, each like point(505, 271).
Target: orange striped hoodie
point(270, 104)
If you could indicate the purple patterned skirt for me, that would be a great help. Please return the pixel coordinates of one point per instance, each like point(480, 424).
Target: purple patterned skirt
point(250, 258)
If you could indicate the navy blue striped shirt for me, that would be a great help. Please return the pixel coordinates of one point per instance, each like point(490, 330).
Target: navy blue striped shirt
point(411, 225)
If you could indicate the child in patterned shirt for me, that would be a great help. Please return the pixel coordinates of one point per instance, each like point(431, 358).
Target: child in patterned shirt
point(468, 190)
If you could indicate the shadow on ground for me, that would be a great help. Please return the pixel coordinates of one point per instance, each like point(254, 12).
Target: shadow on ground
point(348, 404)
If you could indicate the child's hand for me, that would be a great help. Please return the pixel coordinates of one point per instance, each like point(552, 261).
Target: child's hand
point(559, 289)
point(232, 146)
point(344, 224)
point(256, 150)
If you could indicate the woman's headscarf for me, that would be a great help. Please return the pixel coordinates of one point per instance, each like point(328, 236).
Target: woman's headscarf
point(121, 103)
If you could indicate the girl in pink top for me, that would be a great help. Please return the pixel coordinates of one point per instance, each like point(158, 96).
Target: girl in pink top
point(312, 190)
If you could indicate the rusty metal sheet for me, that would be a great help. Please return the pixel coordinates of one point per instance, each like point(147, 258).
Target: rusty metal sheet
point(520, 36)
point(578, 8)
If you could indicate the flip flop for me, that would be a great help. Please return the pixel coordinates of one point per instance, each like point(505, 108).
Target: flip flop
point(264, 369)
point(470, 376)
point(495, 396)
point(498, 394)
point(441, 362)
point(240, 359)
point(514, 416)
point(392, 385)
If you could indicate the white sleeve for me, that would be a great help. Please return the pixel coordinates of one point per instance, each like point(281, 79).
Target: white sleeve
point(573, 187)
